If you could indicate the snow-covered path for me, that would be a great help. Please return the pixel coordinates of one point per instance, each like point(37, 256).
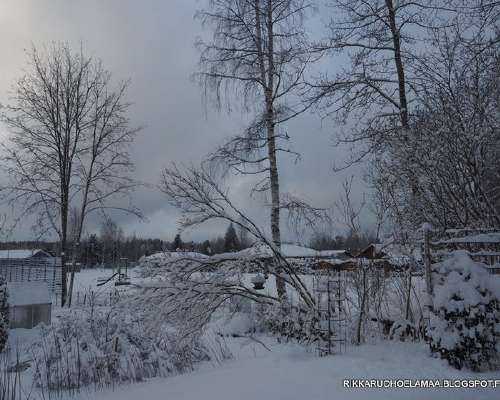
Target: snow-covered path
point(288, 372)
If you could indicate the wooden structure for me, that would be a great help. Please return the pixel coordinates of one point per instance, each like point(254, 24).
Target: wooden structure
point(334, 265)
point(377, 255)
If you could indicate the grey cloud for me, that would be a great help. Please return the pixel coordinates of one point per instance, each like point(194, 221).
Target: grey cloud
point(152, 44)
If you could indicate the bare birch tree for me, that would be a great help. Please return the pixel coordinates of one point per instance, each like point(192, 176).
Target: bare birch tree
point(257, 56)
point(69, 135)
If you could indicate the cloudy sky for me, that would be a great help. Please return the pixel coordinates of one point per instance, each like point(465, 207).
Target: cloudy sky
point(152, 44)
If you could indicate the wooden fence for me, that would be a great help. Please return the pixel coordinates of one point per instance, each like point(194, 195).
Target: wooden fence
point(33, 269)
point(482, 245)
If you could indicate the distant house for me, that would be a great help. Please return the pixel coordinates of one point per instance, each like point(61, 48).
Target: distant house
point(29, 304)
point(390, 256)
point(23, 254)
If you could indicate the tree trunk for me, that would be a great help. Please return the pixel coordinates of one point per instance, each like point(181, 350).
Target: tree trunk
point(64, 271)
point(76, 245)
point(408, 294)
point(362, 305)
point(275, 201)
point(271, 147)
point(74, 258)
point(403, 104)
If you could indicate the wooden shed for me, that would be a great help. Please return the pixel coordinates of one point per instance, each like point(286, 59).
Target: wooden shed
point(29, 304)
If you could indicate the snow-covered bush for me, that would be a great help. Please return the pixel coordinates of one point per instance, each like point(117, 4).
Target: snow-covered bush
point(235, 325)
point(403, 330)
point(291, 323)
point(465, 322)
point(107, 346)
point(4, 313)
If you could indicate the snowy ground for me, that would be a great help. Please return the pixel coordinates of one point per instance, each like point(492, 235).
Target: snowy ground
point(289, 372)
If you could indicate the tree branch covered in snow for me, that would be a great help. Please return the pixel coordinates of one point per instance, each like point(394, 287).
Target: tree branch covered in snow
point(201, 198)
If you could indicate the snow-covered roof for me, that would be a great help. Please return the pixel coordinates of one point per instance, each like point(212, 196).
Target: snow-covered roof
point(164, 255)
point(294, 250)
point(27, 293)
point(332, 253)
point(262, 250)
point(20, 254)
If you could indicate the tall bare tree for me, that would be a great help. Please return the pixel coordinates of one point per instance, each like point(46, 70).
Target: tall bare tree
point(69, 135)
point(384, 40)
point(257, 55)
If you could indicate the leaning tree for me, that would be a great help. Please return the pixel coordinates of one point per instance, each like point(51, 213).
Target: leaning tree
point(202, 195)
point(68, 143)
point(257, 56)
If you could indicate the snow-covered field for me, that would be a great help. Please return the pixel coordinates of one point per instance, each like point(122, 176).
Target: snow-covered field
point(289, 372)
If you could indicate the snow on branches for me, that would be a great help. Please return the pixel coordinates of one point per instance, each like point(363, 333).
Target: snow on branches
point(201, 197)
point(128, 342)
point(465, 322)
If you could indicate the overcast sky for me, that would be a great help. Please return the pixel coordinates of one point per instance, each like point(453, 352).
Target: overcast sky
point(152, 44)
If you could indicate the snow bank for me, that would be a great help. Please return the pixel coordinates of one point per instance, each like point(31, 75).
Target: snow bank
point(289, 372)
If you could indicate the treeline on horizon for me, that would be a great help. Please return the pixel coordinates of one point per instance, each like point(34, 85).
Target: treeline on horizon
point(111, 246)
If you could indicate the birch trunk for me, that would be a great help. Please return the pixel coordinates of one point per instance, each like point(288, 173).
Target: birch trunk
point(275, 199)
point(271, 147)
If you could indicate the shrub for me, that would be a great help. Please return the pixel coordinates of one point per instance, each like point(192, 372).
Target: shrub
point(108, 346)
point(465, 322)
